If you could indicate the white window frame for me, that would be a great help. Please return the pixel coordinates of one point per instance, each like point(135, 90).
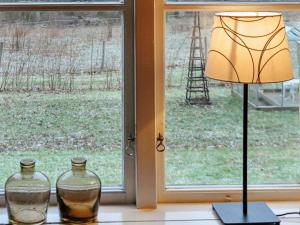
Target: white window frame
point(207, 193)
point(126, 192)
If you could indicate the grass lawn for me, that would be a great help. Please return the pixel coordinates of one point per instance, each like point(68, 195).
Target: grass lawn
point(203, 142)
point(53, 128)
point(107, 164)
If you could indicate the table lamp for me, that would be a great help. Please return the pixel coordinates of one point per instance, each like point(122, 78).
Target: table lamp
point(248, 48)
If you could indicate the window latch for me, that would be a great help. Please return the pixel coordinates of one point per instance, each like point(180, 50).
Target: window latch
point(160, 147)
point(129, 150)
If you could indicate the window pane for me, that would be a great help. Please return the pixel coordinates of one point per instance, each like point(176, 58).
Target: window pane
point(61, 91)
point(204, 141)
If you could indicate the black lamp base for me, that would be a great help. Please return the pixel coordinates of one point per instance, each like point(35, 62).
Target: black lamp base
point(258, 214)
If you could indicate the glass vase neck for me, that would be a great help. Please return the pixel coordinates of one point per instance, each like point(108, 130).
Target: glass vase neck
point(78, 164)
point(27, 165)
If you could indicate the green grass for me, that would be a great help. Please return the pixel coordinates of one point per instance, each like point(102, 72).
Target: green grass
point(204, 143)
point(107, 164)
point(52, 128)
point(224, 166)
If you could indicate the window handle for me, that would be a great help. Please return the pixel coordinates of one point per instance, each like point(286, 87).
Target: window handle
point(129, 149)
point(160, 147)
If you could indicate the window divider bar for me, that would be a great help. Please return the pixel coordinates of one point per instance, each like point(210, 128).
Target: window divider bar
point(146, 195)
point(128, 114)
point(230, 195)
point(160, 90)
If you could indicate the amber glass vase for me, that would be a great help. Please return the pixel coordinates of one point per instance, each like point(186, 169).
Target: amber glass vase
point(78, 193)
point(27, 195)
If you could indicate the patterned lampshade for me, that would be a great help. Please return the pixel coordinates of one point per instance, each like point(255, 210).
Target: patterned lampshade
point(250, 48)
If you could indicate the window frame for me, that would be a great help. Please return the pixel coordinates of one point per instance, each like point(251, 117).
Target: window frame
point(124, 194)
point(167, 194)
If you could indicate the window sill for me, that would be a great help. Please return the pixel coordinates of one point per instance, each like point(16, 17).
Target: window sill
point(171, 214)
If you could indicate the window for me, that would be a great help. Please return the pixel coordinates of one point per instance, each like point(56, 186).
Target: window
point(203, 157)
point(67, 90)
point(208, 137)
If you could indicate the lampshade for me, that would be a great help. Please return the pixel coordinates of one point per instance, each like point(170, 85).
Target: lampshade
point(250, 48)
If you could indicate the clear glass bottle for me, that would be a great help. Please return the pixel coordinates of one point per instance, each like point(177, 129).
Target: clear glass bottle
point(27, 195)
point(78, 193)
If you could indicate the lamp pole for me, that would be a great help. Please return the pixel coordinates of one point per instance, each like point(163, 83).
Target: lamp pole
point(245, 151)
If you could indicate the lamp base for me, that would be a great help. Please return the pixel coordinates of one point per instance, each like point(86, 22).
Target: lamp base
point(258, 214)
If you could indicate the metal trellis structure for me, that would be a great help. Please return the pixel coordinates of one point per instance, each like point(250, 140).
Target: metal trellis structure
point(197, 85)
